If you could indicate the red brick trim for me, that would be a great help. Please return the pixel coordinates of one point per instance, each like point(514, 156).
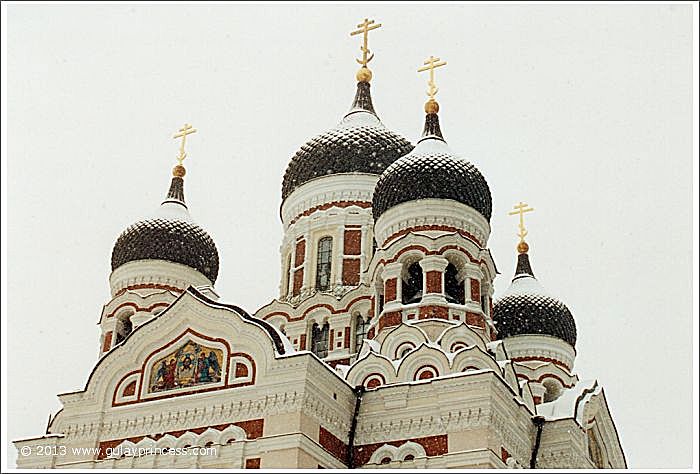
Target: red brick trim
point(332, 444)
point(541, 359)
point(371, 377)
point(312, 308)
point(302, 342)
point(328, 205)
point(346, 339)
point(299, 253)
point(297, 281)
point(476, 319)
point(121, 380)
point(392, 318)
point(333, 363)
point(436, 372)
point(427, 252)
point(433, 281)
point(136, 307)
point(252, 463)
point(143, 286)
point(432, 311)
point(475, 290)
point(444, 228)
point(252, 428)
point(107, 342)
point(504, 454)
point(390, 290)
point(352, 242)
point(433, 445)
point(351, 271)
point(130, 389)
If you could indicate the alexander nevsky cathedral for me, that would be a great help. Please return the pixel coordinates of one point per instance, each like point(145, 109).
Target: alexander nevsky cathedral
point(385, 347)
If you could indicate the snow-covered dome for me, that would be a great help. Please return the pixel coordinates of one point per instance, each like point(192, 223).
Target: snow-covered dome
point(169, 235)
point(432, 171)
point(526, 308)
point(360, 143)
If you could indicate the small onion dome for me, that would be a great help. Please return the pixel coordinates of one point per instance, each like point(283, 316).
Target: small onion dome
point(358, 144)
point(526, 308)
point(169, 235)
point(432, 171)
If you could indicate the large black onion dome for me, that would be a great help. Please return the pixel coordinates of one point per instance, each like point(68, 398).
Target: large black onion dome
point(526, 308)
point(359, 144)
point(169, 235)
point(431, 171)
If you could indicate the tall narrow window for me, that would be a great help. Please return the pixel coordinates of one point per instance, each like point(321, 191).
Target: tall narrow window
point(454, 289)
point(323, 264)
point(319, 339)
point(412, 288)
point(360, 331)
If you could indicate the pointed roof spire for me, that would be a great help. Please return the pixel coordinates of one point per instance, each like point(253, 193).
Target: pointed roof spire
point(432, 122)
point(523, 268)
point(176, 193)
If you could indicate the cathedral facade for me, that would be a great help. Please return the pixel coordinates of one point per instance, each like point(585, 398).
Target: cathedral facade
point(385, 346)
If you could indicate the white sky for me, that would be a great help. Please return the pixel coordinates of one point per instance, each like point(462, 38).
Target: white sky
point(583, 111)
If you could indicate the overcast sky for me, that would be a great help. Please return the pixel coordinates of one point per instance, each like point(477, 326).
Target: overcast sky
point(582, 111)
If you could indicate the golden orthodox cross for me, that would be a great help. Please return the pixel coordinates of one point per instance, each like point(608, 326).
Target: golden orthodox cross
point(521, 208)
point(431, 64)
point(182, 133)
point(365, 28)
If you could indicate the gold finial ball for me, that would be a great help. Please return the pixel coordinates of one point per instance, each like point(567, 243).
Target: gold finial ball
point(523, 247)
point(431, 107)
point(364, 75)
point(179, 171)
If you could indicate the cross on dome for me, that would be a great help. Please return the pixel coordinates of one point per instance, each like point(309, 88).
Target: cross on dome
point(364, 74)
point(520, 209)
point(186, 129)
point(430, 64)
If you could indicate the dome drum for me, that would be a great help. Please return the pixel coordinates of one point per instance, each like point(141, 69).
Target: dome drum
point(432, 215)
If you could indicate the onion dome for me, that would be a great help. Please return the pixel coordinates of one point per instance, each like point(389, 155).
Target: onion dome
point(527, 309)
point(360, 143)
point(432, 171)
point(169, 235)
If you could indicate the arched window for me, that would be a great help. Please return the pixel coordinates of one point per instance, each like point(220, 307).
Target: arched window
point(454, 289)
point(412, 288)
point(123, 327)
point(323, 264)
point(319, 339)
point(360, 331)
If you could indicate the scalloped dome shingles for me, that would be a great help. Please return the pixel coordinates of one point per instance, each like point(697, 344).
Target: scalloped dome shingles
point(525, 308)
point(173, 240)
point(357, 149)
point(428, 176)
point(359, 144)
